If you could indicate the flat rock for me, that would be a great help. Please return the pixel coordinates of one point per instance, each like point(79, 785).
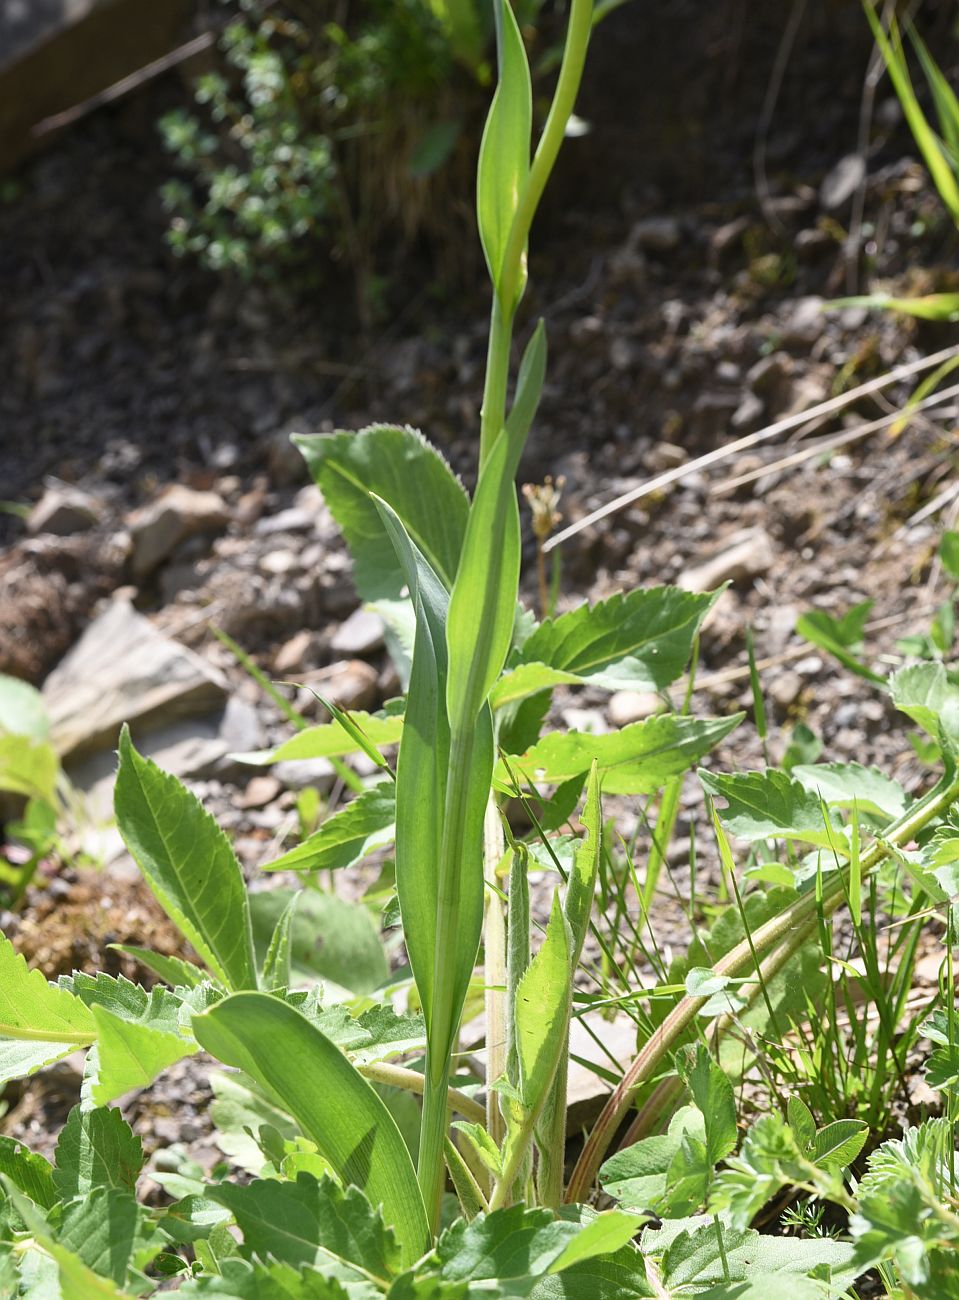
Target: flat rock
point(293, 654)
point(123, 670)
point(179, 512)
point(350, 684)
point(625, 707)
point(747, 555)
point(304, 773)
point(64, 510)
point(841, 182)
point(361, 634)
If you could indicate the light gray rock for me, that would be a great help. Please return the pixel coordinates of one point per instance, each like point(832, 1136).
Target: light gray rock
point(841, 182)
point(64, 510)
point(350, 684)
point(361, 634)
point(302, 773)
point(179, 512)
point(748, 554)
point(657, 234)
point(625, 707)
point(123, 670)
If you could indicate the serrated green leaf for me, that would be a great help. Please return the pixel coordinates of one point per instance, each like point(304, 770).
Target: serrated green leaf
point(188, 863)
point(96, 1148)
point(35, 1010)
point(770, 805)
point(362, 826)
point(131, 1054)
point(543, 1001)
point(603, 1235)
point(332, 939)
point(242, 1280)
point(276, 963)
point(846, 784)
point(101, 1230)
point(640, 641)
point(712, 1092)
point(21, 1058)
point(504, 150)
point(924, 693)
point(332, 1103)
point(399, 465)
point(637, 760)
point(31, 1173)
point(312, 1222)
point(512, 1248)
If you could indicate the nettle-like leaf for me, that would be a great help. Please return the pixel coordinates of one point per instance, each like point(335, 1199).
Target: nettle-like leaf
point(31, 1173)
point(241, 1280)
point(640, 641)
point(643, 1176)
point(34, 1010)
point(399, 465)
point(706, 1257)
point(846, 785)
point(360, 828)
point(770, 805)
point(334, 1106)
point(96, 1148)
point(924, 693)
point(102, 1230)
point(312, 1222)
point(331, 939)
point(188, 863)
point(330, 739)
point(513, 1249)
point(172, 970)
point(640, 759)
point(942, 1068)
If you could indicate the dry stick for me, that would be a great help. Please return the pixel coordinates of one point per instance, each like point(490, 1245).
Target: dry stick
point(831, 443)
point(828, 407)
point(120, 88)
point(785, 934)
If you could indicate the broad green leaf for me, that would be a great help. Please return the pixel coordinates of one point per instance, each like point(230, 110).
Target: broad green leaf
point(96, 1148)
point(602, 1235)
point(331, 938)
point(192, 1217)
point(28, 767)
point(640, 641)
point(504, 150)
point(637, 760)
point(329, 740)
point(399, 465)
point(581, 885)
point(801, 1122)
point(188, 863)
point(311, 1222)
point(512, 1248)
point(277, 962)
point(77, 1280)
point(31, 1173)
point(846, 784)
point(334, 1106)
point(21, 1057)
point(35, 1010)
point(541, 1012)
point(639, 1176)
point(923, 692)
point(712, 1092)
point(172, 970)
point(526, 680)
point(837, 1145)
point(131, 1054)
point(22, 709)
point(769, 805)
point(364, 825)
point(102, 1230)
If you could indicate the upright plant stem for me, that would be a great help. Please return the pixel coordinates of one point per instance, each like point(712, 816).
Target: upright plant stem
point(495, 970)
point(789, 931)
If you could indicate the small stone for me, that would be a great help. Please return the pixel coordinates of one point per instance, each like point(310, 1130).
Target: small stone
point(724, 237)
point(785, 689)
point(625, 707)
point(179, 512)
point(622, 354)
point(260, 791)
point(770, 374)
point(841, 182)
point(748, 415)
point(277, 563)
point(350, 684)
point(293, 654)
point(747, 555)
point(293, 520)
point(361, 634)
point(304, 773)
point(590, 721)
point(657, 234)
point(805, 323)
point(64, 510)
point(665, 455)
